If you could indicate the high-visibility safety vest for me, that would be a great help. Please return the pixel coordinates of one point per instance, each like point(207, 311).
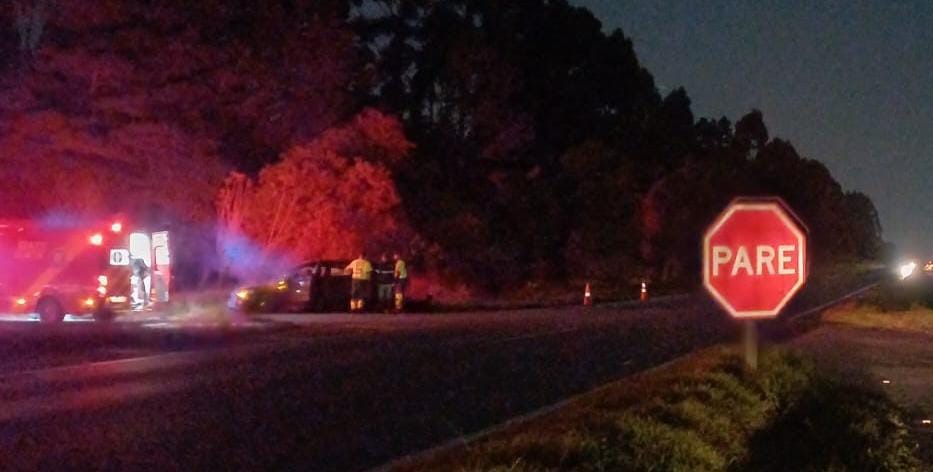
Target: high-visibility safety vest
point(401, 271)
point(361, 268)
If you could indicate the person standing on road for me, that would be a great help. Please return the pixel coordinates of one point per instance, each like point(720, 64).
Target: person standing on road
point(361, 271)
point(385, 283)
point(401, 281)
point(315, 286)
point(140, 295)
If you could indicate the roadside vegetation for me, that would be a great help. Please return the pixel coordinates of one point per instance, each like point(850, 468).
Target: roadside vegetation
point(914, 317)
point(895, 295)
point(703, 413)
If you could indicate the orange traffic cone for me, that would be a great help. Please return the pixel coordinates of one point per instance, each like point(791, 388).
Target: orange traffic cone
point(587, 296)
point(644, 291)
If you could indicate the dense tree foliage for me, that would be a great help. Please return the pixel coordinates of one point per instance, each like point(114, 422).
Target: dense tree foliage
point(544, 140)
point(326, 199)
point(514, 140)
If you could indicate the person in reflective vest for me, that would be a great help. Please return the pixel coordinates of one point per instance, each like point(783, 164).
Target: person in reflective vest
point(401, 282)
point(361, 271)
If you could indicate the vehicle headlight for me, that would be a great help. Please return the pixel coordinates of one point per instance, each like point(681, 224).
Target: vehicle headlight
point(906, 270)
point(243, 294)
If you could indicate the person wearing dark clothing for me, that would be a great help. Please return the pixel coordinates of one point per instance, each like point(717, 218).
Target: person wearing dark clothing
point(140, 272)
point(385, 283)
point(315, 284)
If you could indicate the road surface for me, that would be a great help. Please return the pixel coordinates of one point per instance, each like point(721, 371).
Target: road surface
point(312, 392)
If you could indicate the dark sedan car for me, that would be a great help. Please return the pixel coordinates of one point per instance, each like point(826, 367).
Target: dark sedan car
point(310, 287)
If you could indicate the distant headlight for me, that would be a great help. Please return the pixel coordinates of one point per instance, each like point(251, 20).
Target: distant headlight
point(906, 270)
point(243, 294)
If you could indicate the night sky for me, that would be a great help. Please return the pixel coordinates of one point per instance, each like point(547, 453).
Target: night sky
point(849, 83)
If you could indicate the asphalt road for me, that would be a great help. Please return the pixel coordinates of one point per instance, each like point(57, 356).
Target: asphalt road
point(312, 392)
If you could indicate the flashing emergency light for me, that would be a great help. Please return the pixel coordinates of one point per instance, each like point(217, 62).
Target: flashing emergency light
point(89, 302)
point(102, 280)
point(242, 294)
point(96, 239)
point(102, 290)
point(116, 227)
point(20, 301)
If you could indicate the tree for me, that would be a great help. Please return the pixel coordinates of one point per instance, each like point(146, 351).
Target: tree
point(675, 212)
point(496, 94)
point(604, 207)
point(809, 188)
point(543, 145)
point(30, 19)
point(257, 77)
point(325, 199)
point(864, 225)
point(53, 162)
point(712, 136)
point(751, 132)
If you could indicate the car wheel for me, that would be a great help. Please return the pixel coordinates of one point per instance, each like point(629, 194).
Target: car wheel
point(50, 311)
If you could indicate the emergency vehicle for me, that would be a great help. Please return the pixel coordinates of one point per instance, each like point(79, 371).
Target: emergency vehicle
point(54, 267)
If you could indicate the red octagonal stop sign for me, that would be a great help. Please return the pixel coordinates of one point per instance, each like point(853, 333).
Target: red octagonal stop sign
point(754, 258)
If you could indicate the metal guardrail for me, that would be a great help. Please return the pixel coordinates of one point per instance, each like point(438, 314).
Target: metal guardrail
point(838, 301)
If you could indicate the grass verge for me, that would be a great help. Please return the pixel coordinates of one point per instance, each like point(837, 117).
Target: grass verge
point(916, 317)
point(702, 413)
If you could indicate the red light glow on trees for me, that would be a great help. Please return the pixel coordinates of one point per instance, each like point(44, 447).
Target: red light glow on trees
point(328, 198)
